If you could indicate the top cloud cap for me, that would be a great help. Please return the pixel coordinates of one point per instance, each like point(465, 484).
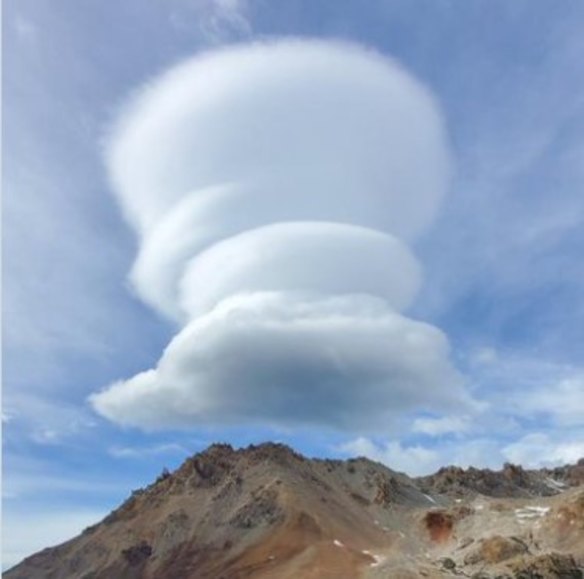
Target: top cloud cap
point(331, 121)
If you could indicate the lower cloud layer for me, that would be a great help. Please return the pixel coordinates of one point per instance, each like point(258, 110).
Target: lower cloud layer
point(345, 362)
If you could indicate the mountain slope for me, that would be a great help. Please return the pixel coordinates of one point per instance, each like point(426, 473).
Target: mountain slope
point(268, 512)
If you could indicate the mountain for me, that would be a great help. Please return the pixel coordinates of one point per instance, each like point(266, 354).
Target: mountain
point(267, 512)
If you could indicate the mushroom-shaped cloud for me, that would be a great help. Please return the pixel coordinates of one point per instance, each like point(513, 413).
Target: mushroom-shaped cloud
point(274, 188)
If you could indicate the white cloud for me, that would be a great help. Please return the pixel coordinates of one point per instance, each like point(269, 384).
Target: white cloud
point(46, 421)
point(317, 130)
point(443, 425)
point(288, 149)
point(532, 388)
point(538, 449)
point(273, 227)
point(562, 401)
point(414, 460)
point(315, 258)
point(418, 460)
point(141, 452)
point(484, 356)
point(347, 362)
point(225, 18)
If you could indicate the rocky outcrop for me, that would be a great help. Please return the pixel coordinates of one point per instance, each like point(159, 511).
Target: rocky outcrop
point(495, 549)
point(511, 481)
point(548, 566)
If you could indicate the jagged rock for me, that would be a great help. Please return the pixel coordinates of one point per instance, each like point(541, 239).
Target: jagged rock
point(511, 481)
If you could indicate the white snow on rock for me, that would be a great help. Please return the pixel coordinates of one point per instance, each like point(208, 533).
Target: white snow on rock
point(531, 512)
point(555, 484)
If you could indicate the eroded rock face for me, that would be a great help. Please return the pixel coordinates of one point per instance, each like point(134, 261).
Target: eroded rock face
point(439, 525)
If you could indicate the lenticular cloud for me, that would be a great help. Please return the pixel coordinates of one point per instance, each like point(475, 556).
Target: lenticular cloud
point(274, 189)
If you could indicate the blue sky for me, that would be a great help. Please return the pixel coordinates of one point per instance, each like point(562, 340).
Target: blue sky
point(502, 275)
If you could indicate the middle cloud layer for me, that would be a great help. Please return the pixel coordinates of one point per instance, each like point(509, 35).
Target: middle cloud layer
point(303, 258)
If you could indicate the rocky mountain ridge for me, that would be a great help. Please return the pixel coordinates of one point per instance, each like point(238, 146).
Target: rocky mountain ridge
point(268, 512)
point(511, 481)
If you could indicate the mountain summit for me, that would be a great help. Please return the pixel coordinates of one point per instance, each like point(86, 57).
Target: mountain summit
point(268, 512)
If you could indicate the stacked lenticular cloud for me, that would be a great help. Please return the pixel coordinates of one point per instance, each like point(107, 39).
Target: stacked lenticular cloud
point(274, 189)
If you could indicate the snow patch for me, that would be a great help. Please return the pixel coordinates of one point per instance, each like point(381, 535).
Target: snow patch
point(555, 484)
point(338, 543)
point(430, 498)
point(531, 512)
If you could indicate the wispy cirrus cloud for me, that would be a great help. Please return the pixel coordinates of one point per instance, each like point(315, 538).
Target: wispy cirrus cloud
point(218, 21)
point(138, 452)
